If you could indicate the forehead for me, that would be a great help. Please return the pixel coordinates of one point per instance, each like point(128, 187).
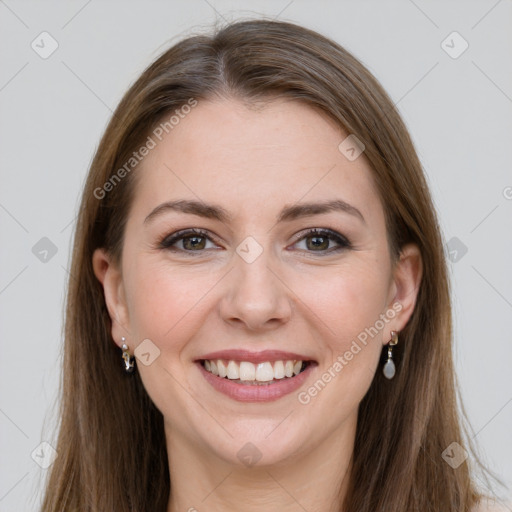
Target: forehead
point(247, 158)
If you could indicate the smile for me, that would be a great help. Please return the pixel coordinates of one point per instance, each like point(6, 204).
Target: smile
point(247, 376)
point(245, 372)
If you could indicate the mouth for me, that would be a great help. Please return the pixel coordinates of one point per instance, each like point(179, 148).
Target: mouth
point(255, 374)
point(255, 377)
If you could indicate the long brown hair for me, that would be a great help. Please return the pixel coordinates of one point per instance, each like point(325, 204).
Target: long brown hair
point(111, 444)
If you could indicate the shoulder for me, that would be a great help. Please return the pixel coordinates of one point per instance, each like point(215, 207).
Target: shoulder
point(488, 505)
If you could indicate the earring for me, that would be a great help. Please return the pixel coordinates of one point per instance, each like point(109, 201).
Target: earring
point(389, 366)
point(129, 363)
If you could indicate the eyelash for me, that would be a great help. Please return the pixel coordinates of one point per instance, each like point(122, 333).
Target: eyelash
point(168, 241)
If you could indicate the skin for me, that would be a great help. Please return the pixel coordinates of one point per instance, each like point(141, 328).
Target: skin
point(254, 160)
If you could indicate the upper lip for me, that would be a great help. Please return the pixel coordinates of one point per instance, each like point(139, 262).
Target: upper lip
point(255, 357)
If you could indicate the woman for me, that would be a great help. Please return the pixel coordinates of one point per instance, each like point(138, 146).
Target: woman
point(259, 317)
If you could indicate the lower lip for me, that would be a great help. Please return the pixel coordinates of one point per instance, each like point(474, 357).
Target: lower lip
point(256, 393)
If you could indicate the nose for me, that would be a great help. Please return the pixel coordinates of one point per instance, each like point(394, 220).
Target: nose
point(256, 297)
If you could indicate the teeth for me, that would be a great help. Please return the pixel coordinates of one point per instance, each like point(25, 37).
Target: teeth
point(223, 372)
point(279, 370)
point(264, 372)
point(249, 372)
point(233, 371)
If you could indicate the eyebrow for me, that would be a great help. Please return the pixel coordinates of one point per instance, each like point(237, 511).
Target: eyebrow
point(288, 213)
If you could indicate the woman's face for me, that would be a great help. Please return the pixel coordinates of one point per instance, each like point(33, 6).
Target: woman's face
point(255, 286)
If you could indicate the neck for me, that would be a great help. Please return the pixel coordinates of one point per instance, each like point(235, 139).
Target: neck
point(312, 480)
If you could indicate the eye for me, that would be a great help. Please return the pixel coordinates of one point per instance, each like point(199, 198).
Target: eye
point(320, 240)
point(196, 240)
point(188, 240)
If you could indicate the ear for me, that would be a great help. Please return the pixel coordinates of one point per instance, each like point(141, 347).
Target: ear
point(110, 276)
point(406, 281)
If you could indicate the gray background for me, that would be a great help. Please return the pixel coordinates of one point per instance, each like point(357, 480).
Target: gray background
point(54, 110)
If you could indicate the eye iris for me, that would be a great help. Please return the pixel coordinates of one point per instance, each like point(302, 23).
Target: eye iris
point(193, 240)
point(319, 242)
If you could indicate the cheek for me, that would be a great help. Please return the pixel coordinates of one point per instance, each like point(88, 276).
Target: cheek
point(167, 306)
point(351, 304)
point(349, 299)
point(165, 303)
